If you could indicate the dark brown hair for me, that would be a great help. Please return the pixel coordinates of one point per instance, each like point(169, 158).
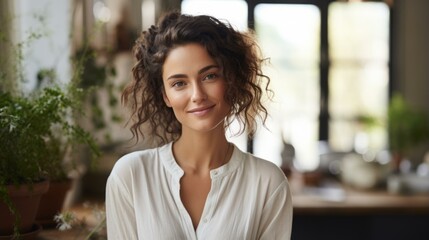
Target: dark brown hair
point(237, 53)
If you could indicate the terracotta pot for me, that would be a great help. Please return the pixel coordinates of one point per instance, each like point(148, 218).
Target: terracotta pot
point(26, 200)
point(52, 202)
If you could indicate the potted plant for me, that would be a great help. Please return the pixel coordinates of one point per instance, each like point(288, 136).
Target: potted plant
point(34, 131)
point(62, 162)
point(39, 132)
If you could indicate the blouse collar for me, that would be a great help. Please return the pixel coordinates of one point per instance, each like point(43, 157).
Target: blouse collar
point(170, 163)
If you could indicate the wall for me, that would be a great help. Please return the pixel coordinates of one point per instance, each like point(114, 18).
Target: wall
point(411, 46)
point(7, 37)
point(42, 25)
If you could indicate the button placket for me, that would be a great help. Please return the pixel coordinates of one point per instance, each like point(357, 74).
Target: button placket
point(211, 201)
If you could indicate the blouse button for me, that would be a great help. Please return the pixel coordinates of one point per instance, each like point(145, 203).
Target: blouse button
point(205, 220)
point(215, 172)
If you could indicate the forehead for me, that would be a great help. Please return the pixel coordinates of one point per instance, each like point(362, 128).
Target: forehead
point(186, 59)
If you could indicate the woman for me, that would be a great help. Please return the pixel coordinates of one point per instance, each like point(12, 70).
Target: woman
point(193, 76)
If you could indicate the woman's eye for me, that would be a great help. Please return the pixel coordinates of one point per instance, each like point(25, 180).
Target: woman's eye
point(178, 84)
point(210, 76)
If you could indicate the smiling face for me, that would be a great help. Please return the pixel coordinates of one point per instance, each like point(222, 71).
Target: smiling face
point(194, 88)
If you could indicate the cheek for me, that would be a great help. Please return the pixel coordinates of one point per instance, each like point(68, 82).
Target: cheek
point(220, 92)
point(175, 99)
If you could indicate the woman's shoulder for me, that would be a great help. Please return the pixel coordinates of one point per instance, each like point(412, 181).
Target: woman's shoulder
point(260, 168)
point(263, 165)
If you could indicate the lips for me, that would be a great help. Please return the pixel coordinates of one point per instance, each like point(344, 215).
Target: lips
point(201, 110)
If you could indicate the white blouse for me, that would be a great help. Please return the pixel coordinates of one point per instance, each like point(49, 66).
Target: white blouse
point(249, 199)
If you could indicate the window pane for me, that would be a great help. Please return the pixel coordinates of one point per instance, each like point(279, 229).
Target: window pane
point(357, 90)
point(289, 34)
point(358, 78)
point(359, 30)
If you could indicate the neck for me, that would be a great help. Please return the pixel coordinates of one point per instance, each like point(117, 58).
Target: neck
point(202, 152)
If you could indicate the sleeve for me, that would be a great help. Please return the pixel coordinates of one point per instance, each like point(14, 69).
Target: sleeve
point(120, 216)
point(276, 220)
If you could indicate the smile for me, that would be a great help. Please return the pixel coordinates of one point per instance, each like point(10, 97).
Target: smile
point(201, 111)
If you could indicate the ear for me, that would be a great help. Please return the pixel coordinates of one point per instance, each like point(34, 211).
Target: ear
point(166, 100)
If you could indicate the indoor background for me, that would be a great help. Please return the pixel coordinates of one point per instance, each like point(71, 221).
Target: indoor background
point(336, 68)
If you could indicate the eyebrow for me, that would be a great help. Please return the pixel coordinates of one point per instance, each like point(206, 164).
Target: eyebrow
point(202, 70)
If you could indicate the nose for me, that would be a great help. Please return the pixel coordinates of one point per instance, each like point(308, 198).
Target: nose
point(198, 93)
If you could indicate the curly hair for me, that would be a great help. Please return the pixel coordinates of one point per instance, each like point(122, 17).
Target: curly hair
point(237, 53)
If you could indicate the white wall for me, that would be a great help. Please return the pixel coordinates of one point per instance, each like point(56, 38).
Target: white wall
point(50, 19)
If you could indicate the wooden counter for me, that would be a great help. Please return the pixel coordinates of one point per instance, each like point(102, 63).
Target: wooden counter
point(339, 212)
point(350, 201)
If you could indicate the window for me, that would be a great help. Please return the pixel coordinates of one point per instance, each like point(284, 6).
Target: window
point(358, 80)
point(289, 34)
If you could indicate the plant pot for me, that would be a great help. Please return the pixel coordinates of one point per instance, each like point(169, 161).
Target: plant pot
point(26, 200)
point(52, 202)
